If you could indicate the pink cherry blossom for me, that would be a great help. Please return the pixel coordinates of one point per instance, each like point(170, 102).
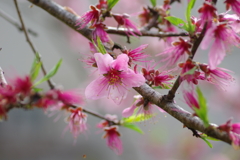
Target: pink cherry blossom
point(136, 55)
point(224, 37)
point(77, 122)
point(207, 12)
point(115, 78)
point(190, 98)
point(176, 52)
point(123, 20)
point(144, 107)
point(100, 32)
point(234, 4)
point(113, 141)
point(91, 16)
point(218, 76)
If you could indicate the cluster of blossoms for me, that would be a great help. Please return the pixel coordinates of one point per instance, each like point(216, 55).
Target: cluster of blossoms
point(96, 18)
point(118, 72)
point(20, 92)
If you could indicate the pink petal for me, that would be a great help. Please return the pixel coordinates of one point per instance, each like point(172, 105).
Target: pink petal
point(129, 111)
point(132, 79)
point(121, 63)
point(208, 38)
point(216, 54)
point(97, 89)
point(103, 62)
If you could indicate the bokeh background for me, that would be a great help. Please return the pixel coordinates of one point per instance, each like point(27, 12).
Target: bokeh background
point(32, 134)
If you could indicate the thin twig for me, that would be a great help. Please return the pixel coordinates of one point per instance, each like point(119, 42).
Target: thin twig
point(196, 43)
point(11, 20)
point(51, 85)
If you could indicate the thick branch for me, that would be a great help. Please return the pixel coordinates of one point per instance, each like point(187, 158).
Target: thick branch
point(174, 110)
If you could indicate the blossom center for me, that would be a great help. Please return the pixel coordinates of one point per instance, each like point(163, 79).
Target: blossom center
point(113, 76)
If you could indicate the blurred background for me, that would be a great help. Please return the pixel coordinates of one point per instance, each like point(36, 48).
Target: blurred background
point(32, 134)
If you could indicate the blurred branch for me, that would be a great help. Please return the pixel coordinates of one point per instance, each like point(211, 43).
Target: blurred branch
point(147, 92)
point(11, 20)
point(145, 33)
point(51, 85)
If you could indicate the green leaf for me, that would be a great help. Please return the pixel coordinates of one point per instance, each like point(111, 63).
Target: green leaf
point(99, 46)
point(208, 143)
point(37, 89)
point(36, 66)
point(209, 138)
point(177, 22)
point(111, 3)
point(190, 72)
point(133, 127)
point(202, 111)
point(153, 2)
point(191, 27)
point(137, 118)
point(50, 74)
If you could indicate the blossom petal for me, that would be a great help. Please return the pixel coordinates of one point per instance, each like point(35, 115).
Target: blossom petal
point(103, 62)
point(132, 80)
point(129, 111)
point(216, 54)
point(97, 88)
point(121, 63)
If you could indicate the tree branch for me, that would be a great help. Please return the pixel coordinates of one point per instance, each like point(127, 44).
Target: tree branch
point(51, 85)
point(145, 33)
point(147, 92)
point(11, 20)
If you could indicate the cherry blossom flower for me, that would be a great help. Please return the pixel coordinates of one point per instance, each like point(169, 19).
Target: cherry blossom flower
point(22, 85)
point(100, 32)
point(234, 4)
point(115, 78)
point(207, 12)
point(190, 98)
point(77, 122)
point(113, 141)
point(176, 52)
point(106, 123)
point(231, 19)
point(144, 107)
point(218, 76)
point(234, 132)
point(3, 114)
point(136, 55)
point(123, 20)
point(144, 16)
point(91, 16)
point(189, 72)
point(224, 37)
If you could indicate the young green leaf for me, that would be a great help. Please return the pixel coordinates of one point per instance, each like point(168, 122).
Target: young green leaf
point(133, 127)
point(153, 2)
point(178, 22)
point(101, 46)
point(50, 74)
point(202, 111)
point(111, 3)
point(208, 143)
point(35, 68)
point(191, 27)
point(191, 71)
point(137, 118)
